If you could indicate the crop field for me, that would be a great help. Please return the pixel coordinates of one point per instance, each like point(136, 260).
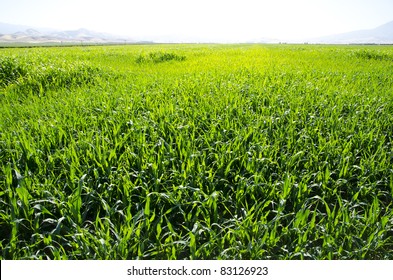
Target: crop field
point(196, 152)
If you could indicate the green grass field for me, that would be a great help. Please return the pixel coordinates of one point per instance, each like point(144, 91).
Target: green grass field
point(196, 152)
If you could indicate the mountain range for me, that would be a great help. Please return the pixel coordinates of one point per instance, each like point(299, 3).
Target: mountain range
point(10, 33)
point(381, 35)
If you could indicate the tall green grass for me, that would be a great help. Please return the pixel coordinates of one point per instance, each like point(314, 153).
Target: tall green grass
point(196, 152)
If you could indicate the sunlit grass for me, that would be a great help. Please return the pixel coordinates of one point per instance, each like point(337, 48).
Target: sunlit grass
point(196, 152)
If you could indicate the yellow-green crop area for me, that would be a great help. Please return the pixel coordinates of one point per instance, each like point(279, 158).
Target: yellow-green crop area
point(196, 152)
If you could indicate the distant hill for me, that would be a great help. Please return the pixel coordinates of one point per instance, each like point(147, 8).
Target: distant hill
point(380, 35)
point(10, 33)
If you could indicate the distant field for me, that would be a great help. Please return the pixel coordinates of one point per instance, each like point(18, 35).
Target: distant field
point(196, 152)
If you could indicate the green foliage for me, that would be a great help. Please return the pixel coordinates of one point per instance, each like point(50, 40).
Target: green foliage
point(49, 77)
point(159, 57)
point(373, 54)
point(37, 77)
point(11, 70)
point(243, 152)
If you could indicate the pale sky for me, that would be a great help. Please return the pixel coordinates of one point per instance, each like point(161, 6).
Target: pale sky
point(206, 20)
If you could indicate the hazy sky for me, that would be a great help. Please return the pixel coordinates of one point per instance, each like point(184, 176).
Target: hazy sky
point(217, 20)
